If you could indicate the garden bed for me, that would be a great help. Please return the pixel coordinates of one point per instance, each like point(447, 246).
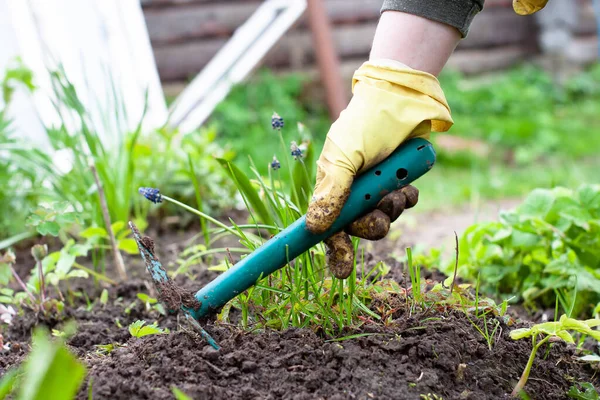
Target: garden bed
point(428, 353)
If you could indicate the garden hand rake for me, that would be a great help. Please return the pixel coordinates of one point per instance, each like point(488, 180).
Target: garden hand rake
point(407, 163)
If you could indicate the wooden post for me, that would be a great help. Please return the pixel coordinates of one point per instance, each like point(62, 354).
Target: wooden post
point(327, 59)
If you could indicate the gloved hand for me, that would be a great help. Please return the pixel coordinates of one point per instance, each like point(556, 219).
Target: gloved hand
point(391, 103)
point(526, 7)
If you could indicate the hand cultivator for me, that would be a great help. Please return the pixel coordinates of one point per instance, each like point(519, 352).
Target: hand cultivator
point(409, 162)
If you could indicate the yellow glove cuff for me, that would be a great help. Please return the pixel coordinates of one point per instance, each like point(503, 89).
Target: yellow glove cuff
point(397, 78)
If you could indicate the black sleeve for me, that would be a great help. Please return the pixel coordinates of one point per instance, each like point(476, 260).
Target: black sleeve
point(456, 13)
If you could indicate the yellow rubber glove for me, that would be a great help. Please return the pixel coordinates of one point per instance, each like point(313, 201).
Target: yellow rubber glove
point(526, 7)
point(391, 104)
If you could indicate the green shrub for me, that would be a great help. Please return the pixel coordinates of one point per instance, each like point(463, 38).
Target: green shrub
point(29, 176)
point(241, 123)
point(547, 246)
point(525, 111)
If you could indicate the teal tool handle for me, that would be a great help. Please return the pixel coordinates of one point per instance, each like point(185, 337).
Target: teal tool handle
point(407, 163)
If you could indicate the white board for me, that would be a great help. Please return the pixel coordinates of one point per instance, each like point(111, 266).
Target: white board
point(234, 62)
point(102, 45)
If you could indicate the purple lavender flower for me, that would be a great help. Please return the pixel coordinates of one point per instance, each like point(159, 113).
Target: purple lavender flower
point(275, 164)
point(276, 121)
point(151, 194)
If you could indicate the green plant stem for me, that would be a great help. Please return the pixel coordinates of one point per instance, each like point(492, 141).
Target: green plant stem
point(203, 215)
point(42, 282)
point(94, 273)
point(308, 181)
point(527, 370)
point(289, 165)
point(15, 239)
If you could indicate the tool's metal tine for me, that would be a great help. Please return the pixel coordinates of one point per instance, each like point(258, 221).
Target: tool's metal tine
point(160, 277)
point(201, 330)
point(146, 247)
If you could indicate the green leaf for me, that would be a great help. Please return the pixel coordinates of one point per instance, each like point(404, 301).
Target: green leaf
point(64, 264)
point(146, 299)
point(589, 196)
point(7, 382)
point(48, 228)
point(80, 250)
point(589, 392)
point(179, 395)
point(247, 190)
point(104, 297)
point(5, 274)
point(33, 220)
point(578, 216)
point(222, 267)
point(50, 371)
point(117, 227)
point(524, 240)
point(537, 204)
point(60, 206)
point(66, 218)
point(592, 323)
point(52, 278)
point(566, 336)
point(573, 324)
point(520, 333)
point(139, 329)
point(501, 234)
point(77, 273)
point(590, 358)
point(94, 232)
point(129, 246)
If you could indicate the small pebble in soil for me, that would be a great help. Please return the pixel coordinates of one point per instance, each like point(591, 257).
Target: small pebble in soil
point(248, 366)
point(209, 353)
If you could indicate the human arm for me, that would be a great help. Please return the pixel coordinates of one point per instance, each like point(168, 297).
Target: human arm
point(396, 97)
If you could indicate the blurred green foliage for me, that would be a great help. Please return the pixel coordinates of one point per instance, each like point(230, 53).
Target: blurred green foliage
point(540, 134)
point(243, 119)
point(29, 174)
point(20, 188)
point(50, 371)
point(525, 111)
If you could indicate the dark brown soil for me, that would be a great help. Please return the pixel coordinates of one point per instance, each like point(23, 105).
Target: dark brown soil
point(446, 357)
point(438, 353)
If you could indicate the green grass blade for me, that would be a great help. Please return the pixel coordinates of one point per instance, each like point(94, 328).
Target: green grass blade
point(15, 239)
point(248, 191)
point(303, 174)
point(7, 383)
